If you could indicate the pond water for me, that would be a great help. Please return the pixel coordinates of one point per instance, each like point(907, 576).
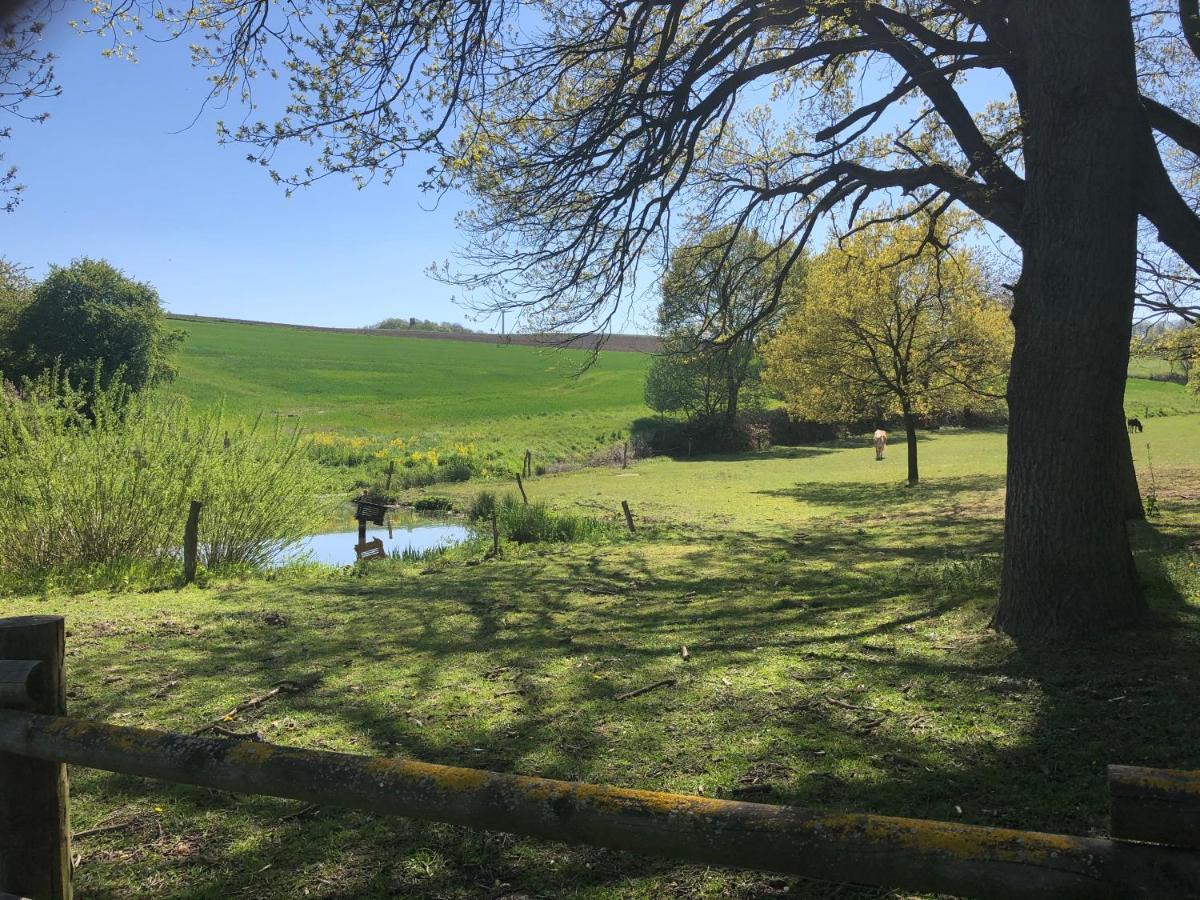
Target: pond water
point(336, 548)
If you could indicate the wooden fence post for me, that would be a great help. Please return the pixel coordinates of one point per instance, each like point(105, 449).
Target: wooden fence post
point(1157, 806)
point(35, 830)
point(191, 533)
point(495, 535)
point(522, 487)
point(628, 516)
point(625, 455)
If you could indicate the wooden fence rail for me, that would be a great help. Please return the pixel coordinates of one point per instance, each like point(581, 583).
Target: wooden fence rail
point(901, 853)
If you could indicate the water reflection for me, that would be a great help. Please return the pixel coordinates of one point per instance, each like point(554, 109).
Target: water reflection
point(337, 547)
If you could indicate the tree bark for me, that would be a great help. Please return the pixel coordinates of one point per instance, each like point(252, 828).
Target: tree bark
point(1131, 494)
point(910, 430)
point(731, 403)
point(1068, 569)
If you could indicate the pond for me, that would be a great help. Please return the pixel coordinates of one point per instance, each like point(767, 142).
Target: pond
point(336, 548)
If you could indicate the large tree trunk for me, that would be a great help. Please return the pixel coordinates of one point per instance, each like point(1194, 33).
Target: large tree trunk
point(910, 430)
point(1068, 569)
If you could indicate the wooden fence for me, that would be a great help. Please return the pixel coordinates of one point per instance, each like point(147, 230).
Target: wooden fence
point(1155, 851)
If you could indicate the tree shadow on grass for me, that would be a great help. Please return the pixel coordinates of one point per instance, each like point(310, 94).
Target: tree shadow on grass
point(807, 451)
point(880, 495)
point(847, 669)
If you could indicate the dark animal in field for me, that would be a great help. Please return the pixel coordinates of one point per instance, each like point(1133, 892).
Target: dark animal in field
point(1135, 424)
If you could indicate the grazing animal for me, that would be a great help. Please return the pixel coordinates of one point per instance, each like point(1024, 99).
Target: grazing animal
point(1135, 424)
point(880, 443)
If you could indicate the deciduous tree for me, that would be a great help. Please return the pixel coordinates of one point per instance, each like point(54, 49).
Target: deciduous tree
point(718, 299)
point(892, 324)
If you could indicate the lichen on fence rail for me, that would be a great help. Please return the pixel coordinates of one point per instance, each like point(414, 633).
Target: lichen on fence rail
point(896, 852)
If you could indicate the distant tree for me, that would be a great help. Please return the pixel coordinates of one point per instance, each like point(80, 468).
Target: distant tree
point(718, 299)
point(1178, 345)
point(893, 322)
point(396, 323)
point(94, 321)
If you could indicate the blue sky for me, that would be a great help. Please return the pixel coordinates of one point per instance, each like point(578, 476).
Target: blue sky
point(116, 173)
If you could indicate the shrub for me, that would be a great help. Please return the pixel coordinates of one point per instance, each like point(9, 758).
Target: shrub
point(535, 523)
point(410, 554)
point(482, 506)
point(101, 483)
point(260, 496)
point(433, 504)
point(98, 324)
point(456, 470)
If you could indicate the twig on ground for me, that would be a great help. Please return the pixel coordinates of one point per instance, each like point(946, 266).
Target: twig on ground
point(844, 705)
point(645, 690)
point(288, 686)
point(102, 829)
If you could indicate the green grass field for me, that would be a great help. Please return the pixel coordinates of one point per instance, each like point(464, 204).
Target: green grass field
point(838, 658)
point(836, 623)
point(438, 391)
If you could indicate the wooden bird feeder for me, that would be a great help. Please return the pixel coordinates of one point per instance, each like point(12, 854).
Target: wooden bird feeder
point(370, 511)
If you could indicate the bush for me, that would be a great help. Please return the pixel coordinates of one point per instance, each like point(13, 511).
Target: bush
point(97, 324)
point(101, 483)
point(754, 430)
point(534, 523)
point(482, 506)
point(433, 504)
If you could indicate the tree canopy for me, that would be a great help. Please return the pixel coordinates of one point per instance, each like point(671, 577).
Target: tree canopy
point(892, 325)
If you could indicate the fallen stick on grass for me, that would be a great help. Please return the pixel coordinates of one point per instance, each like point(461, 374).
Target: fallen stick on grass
point(288, 686)
point(844, 705)
point(645, 690)
point(102, 829)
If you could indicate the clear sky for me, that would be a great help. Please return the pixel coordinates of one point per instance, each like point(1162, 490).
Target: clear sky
point(117, 173)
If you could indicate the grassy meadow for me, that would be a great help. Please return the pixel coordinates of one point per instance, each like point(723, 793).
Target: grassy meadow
point(839, 657)
point(428, 393)
point(835, 621)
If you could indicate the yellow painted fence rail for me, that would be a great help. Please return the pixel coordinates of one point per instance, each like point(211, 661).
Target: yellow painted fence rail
point(1155, 812)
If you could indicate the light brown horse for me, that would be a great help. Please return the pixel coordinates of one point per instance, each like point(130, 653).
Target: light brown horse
point(880, 443)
